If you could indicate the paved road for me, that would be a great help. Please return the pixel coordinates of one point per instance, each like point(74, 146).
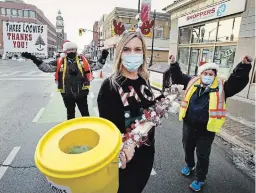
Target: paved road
point(29, 107)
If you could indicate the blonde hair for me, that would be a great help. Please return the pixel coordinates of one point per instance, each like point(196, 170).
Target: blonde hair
point(142, 71)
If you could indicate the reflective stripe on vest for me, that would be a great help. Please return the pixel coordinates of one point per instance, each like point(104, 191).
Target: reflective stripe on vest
point(83, 68)
point(217, 105)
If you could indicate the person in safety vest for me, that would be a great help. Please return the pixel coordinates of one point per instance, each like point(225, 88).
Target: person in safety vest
point(72, 74)
point(203, 110)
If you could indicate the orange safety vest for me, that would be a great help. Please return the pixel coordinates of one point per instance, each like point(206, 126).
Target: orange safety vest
point(83, 67)
point(217, 105)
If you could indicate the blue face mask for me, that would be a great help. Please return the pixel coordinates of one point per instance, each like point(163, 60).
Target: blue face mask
point(132, 61)
point(207, 80)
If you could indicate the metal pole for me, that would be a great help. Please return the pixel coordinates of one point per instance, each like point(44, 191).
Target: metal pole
point(153, 38)
point(139, 6)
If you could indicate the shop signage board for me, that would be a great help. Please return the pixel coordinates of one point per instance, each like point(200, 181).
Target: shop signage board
point(25, 37)
point(157, 74)
point(217, 11)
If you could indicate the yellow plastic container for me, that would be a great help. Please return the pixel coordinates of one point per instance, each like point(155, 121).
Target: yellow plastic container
point(94, 171)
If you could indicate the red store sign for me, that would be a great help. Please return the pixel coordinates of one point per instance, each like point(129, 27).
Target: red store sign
point(220, 10)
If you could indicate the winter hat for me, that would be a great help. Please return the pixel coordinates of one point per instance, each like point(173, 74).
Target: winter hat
point(62, 55)
point(68, 45)
point(207, 66)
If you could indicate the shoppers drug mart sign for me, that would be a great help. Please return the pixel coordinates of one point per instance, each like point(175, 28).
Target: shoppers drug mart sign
point(224, 9)
point(25, 37)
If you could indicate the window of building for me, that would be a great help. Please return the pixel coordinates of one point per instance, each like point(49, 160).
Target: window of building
point(32, 14)
point(224, 56)
point(204, 33)
point(159, 32)
point(183, 55)
point(14, 13)
point(185, 34)
point(8, 12)
point(2, 11)
point(229, 29)
point(25, 13)
point(20, 13)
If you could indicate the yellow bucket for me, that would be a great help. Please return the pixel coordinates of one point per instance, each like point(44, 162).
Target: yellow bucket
point(94, 171)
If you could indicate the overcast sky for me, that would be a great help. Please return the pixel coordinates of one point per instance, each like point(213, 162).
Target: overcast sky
point(83, 13)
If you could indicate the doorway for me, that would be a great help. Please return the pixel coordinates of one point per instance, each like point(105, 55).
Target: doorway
point(197, 56)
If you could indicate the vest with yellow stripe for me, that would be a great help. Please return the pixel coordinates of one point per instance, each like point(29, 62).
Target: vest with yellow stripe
point(83, 67)
point(217, 105)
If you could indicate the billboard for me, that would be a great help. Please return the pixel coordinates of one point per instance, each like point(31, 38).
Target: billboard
point(25, 37)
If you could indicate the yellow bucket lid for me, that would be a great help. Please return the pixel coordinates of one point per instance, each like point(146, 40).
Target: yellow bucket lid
point(52, 161)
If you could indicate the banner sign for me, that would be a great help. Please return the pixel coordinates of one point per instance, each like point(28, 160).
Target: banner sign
point(220, 10)
point(145, 10)
point(25, 37)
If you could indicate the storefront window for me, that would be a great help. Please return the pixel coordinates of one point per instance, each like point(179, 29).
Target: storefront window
point(194, 60)
point(185, 34)
point(204, 33)
point(183, 55)
point(224, 56)
point(25, 13)
point(20, 13)
point(32, 14)
point(159, 32)
point(8, 12)
point(2, 11)
point(229, 29)
point(14, 12)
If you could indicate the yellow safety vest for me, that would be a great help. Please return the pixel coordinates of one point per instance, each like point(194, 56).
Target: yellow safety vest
point(217, 105)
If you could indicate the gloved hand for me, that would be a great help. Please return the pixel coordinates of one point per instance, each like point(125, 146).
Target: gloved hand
point(36, 60)
point(26, 55)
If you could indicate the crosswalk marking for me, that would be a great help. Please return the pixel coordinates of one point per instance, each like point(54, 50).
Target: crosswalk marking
point(26, 75)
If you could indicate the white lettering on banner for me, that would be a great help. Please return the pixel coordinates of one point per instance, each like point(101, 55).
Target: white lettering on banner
point(58, 188)
point(216, 11)
point(25, 37)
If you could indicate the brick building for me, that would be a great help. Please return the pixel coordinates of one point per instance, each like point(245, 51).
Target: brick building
point(21, 12)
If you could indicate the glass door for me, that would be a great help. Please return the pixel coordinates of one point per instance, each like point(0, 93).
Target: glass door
point(194, 61)
point(198, 56)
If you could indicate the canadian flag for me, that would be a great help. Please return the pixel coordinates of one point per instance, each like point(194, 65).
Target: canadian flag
point(145, 10)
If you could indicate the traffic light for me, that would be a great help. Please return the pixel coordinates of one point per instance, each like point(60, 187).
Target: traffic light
point(80, 32)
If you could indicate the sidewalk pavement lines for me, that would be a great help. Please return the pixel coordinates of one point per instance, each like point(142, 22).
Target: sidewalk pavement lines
point(16, 72)
point(153, 172)
point(8, 161)
point(242, 121)
point(39, 114)
point(31, 78)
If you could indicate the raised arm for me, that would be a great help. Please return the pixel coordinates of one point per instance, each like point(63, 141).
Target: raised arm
point(176, 74)
point(43, 66)
point(239, 78)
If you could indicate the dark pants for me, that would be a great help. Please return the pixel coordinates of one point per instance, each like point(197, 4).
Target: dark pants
point(200, 139)
point(134, 178)
point(70, 103)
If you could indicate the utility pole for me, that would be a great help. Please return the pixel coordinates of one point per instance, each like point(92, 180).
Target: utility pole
point(153, 38)
point(139, 6)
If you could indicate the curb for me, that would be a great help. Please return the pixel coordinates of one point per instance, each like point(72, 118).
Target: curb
point(232, 139)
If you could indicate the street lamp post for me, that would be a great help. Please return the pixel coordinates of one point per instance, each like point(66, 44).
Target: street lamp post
point(139, 6)
point(153, 38)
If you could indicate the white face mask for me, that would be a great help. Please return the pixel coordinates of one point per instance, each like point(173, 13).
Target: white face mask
point(132, 61)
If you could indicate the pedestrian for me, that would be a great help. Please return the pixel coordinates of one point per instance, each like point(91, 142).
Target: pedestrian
point(72, 75)
point(122, 98)
point(203, 111)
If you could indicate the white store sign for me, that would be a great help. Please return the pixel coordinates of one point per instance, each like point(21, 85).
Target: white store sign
point(25, 37)
point(224, 9)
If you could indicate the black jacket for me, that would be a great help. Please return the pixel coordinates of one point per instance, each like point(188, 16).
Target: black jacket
point(197, 112)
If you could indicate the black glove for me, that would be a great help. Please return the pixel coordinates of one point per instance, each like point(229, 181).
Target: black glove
point(36, 60)
point(26, 55)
